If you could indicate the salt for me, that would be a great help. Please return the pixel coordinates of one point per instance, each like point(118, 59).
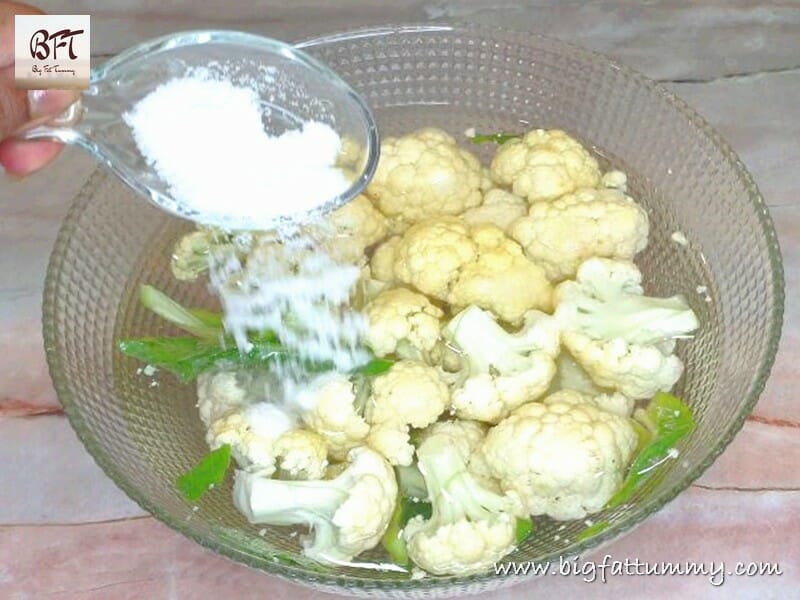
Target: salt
point(204, 136)
point(299, 292)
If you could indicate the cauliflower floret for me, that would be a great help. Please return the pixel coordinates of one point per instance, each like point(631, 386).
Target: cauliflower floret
point(615, 179)
point(425, 174)
point(193, 251)
point(218, 395)
point(560, 234)
point(327, 405)
point(402, 322)
point(431, 254)
point(636, 370)
point(469, 435)
point(382, 262)
point(190, 257)
point(367, 288)
point(470, 527)
point(561, 459)
point(356, 226)
point(347, 515)
point(501, 279)
point(351, 154)
point(503, 370)
point(571, 376)
point(623, 339)
point(616, 403)
point(461, 547)
point(409, 394)
point(543, 165)
point(486, 180)
point(301, 454)
point(499, 208)
point(251, 434)
point(446, 259)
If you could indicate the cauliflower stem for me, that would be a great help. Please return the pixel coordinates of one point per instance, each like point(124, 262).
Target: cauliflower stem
point(348, 514)
point(470, 527)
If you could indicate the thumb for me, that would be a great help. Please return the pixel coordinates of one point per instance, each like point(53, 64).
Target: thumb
point(18, 108)
point(49, 103)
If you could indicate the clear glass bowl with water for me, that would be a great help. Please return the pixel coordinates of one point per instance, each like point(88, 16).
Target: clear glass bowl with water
point(453, 77)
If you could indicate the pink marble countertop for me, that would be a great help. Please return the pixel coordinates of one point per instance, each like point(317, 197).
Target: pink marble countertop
point(66, 532)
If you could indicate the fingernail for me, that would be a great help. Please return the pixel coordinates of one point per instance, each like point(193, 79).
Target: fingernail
point(49, 103)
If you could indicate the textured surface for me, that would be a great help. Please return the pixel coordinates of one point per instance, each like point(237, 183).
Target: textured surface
point(744, 521)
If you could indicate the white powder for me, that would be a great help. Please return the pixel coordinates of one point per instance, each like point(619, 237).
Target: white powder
point(204, 135)
point(205, 138)
point(291, 287)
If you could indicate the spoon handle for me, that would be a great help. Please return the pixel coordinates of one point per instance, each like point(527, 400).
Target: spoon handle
point(61, 128)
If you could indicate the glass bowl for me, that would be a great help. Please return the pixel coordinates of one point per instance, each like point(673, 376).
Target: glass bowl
point(145, 433)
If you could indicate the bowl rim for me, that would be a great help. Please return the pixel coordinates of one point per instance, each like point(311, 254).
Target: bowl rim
point(431, 585)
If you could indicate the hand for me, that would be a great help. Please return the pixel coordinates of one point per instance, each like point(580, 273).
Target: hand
point(17, 107)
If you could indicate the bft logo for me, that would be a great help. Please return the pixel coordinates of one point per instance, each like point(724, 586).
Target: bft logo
point(51, 51)
point(45, 44)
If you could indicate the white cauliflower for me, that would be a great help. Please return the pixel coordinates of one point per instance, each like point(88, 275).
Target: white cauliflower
point(571, 377)
point(402, 322)
point(301, 454)
point(469, 436)
point(347, 515)
point(615, 403)
point(560, 234)
point(328, 405)
point(486, 180)
point(615, 179)
point(410, 394)
point(191, 254)
point(252, 434)
point(462, 265)
point(423, 175)
point(560, 459)
point(367, 288)
point(499, 208)
point(471, 527)
point(355, 227)
point(623, 339)
point(219, 394)
point(543, 165)
point(382, 262)
point(503, 370)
